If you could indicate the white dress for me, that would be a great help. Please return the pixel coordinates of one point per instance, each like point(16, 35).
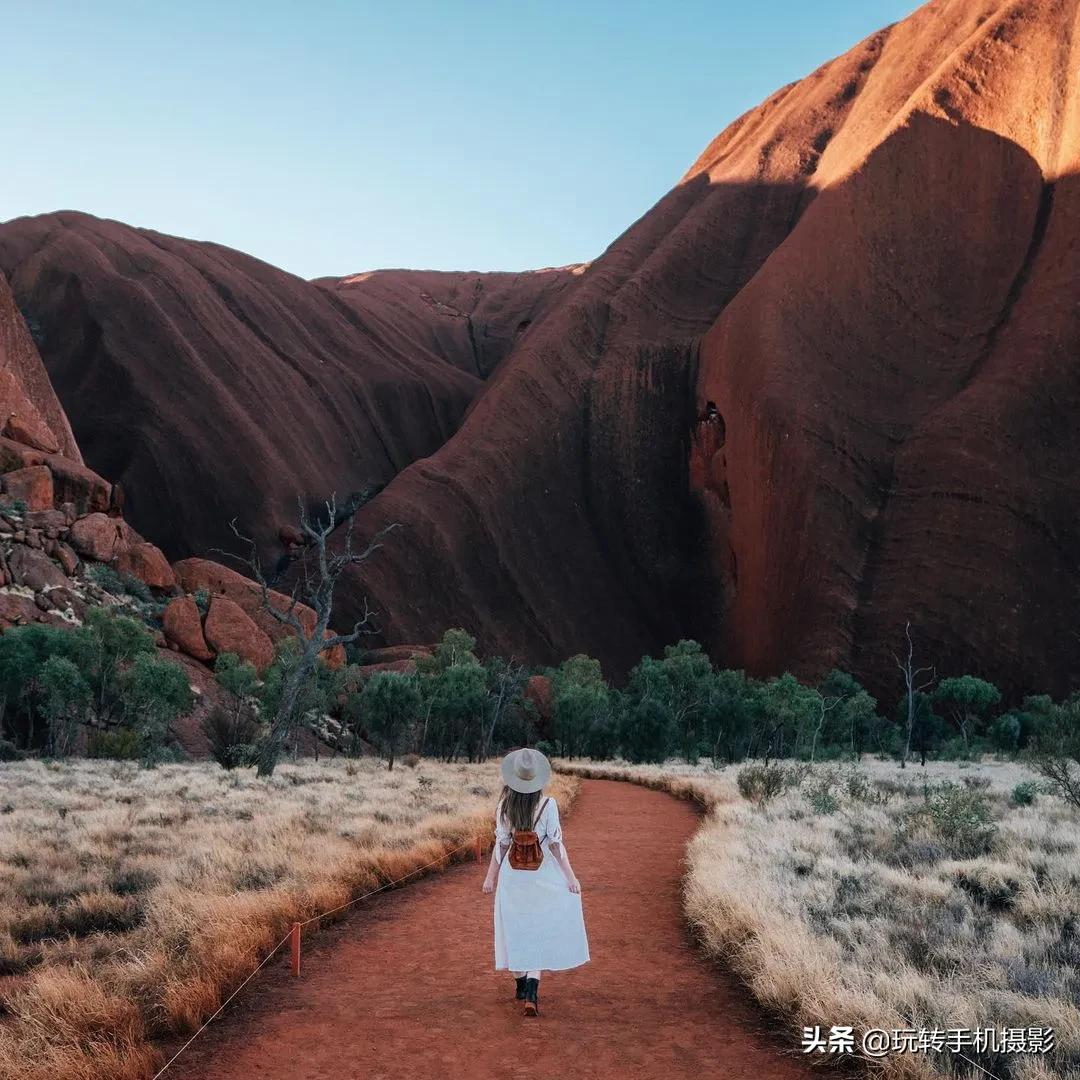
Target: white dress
point(538, 920)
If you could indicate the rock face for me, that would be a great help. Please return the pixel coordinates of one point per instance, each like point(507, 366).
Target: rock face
point(179, 359)
point(182, 624)
point(202, 575)
point(148, 564)
point(228, 629)
point(827, 386)
point(29, 409)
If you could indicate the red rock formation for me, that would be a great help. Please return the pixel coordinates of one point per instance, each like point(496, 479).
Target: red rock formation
point(179, 359)
point(32, 486)
point(195, 575)
point(228, 629)
point(148, 564)
point(182, 624)
point(29, 409)
point(826, 386)
point(101, 538)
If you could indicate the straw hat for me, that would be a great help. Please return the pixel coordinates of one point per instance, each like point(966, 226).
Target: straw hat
point(525, 770)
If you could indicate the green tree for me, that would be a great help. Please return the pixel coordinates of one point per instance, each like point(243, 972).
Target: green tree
point(579, 702)
point(100, 648)
point(387, 707)
point(791, 711)
point(156, 692)
point(735, 708)
point(690, 678)
point(1055, 749)
point(966, 700)
point(454, 691)
point(65, 697)
point(647, 725)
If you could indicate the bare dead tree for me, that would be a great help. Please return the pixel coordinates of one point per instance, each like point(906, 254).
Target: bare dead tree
point(320, 569)
point(510, 680)
point(825, 706)
point(916, 680)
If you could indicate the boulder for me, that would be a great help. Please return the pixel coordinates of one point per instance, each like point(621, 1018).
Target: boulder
point(82, 487)
point(45, 520)
point(391, 653)
point(33, 484)
point(183, 627)
point(20, 419)
point(100, 537)
point(67, 558)
point(35, 569)
point(229, 628)
point(17, 609)
point(148, 564)
point(218, 580)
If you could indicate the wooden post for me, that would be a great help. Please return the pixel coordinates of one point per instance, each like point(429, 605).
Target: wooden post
point(295, 939)
point(479, 851)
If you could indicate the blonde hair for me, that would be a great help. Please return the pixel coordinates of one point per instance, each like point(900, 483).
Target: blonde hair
point(518, 809)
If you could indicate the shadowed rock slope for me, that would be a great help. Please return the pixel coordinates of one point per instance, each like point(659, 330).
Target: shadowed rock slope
point(214, 386)
point(827, 385)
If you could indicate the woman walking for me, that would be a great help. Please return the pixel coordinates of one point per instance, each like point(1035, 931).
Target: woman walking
point(538, 920)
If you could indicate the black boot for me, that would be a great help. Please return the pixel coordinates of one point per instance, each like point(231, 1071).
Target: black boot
point(520, 995)
point(532, 1001)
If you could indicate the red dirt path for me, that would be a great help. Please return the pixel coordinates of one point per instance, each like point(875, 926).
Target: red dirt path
point(405, 988)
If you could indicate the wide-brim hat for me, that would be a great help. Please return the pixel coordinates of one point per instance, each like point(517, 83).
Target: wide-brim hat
point(525, 770)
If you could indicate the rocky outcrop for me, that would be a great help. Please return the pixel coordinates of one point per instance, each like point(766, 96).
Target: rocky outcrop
point(182, 624)
point(202, 575)
point(30, 412)
point(179, 359)
point(229, 629)
point(147, 563)
point(826, 386)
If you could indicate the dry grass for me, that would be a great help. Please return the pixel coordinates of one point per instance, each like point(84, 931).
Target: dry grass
point(869, 915)
point(133, 901)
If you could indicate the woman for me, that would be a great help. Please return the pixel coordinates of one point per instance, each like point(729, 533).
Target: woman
point(538, 921)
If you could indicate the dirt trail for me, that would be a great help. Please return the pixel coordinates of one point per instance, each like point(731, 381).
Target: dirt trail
point(405, 987)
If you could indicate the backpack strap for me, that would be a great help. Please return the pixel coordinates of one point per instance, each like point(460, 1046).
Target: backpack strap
point(540, 812)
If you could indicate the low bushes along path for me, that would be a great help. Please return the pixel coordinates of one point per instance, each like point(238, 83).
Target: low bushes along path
point(405, 988)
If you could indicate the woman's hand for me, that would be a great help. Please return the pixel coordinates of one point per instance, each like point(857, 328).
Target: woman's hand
point(574, 885)
point(489, 884)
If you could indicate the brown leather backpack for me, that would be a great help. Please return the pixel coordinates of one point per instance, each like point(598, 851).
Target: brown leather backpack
point(525, 850)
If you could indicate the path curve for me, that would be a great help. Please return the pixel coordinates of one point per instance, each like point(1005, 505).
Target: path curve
point(405, 987)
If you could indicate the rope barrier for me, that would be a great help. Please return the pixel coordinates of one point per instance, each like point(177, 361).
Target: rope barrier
point(221, 1007)
point(294, 937)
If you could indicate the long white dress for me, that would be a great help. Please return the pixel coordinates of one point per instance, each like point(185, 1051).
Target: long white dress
point(539, 923)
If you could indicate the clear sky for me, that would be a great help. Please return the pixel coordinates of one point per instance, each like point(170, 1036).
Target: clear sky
point(333, 137)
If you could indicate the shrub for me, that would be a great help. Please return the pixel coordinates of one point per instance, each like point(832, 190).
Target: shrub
point(119, 744)
point(232, 735)
point(9, 751)
point(411, 760)
point(958, 818)
point(1024, 794)
point(761, 783)
point(105, 577)
point(821, 793)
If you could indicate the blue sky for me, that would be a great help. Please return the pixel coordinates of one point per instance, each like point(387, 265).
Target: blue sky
point(329, 138)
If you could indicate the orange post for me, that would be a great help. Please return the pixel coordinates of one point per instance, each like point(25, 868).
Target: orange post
point(479, 850)
point(295, 940)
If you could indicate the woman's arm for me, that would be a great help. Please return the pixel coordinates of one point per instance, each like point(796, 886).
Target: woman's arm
point(497, 853)
point(559, 851)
